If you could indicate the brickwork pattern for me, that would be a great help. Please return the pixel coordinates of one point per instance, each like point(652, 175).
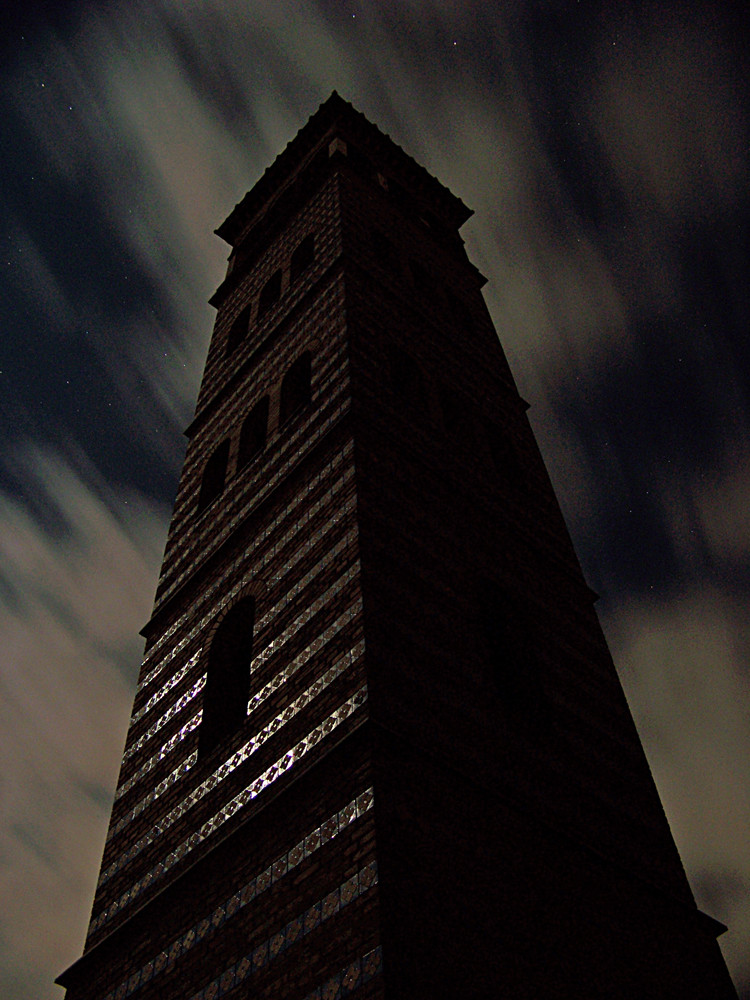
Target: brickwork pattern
point(321, 216)
point(260, 477)
point(307, 677)
point(387, 819)
point(422, 514)
point(281, 866)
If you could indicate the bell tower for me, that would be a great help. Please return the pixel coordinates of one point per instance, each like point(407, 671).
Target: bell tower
point(378, 745)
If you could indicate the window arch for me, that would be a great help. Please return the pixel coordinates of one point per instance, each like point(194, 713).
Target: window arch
point(270, 293)
point(296, 387)
point(227, 676)
point(253, 433)
point(302, 257)
point(214, 476)
point(238, 330)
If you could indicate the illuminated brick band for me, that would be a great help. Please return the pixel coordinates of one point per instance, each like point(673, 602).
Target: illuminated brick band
point(219, 587)
point(225, 769)
point(275, 643)
point(303, 440)
point(281, 866)
point(309, 542)
point(255, 701)
point(162, 720)
point(347, 616)
point(325, 560)
point(330, 371)
point(294, 931)
point(161, 692)
point(281, 766)
point(344, 983)
point(198, 685)
point(255, 743)
point(162, 752)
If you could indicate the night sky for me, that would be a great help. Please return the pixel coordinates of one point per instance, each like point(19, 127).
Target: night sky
point(605, 154)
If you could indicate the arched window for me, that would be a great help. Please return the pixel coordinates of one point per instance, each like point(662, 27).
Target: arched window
point(227, 676)
point(269, 294)
point(253, 433)
point(295, 388)
point(238, 330)
point(214, 475)
point(302, 257)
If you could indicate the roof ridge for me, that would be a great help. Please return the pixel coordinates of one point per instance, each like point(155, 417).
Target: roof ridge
point(325, 114)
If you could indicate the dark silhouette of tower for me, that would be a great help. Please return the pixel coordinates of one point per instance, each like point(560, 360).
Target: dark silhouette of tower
point(378, 745)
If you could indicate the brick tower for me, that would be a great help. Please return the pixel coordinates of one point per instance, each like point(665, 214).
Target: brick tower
point(378, 746)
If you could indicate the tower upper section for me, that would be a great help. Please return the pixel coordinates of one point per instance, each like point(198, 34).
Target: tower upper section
point(261, 268)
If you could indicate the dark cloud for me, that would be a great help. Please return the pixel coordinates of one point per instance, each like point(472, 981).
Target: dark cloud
point(604, 151)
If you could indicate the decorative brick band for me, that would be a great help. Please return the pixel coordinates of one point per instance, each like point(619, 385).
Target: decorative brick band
point(243, 798)
point(257, 662)
point(253, 496)
point(219, 587)
point(294, 931)
point(299, 554)
point(319, 684)
point(281, 866)
point(348, 981)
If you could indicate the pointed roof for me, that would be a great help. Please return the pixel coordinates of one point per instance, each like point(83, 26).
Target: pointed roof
point(332, 114)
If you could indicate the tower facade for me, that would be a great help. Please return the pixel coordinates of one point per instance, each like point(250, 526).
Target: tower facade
point(378, 745)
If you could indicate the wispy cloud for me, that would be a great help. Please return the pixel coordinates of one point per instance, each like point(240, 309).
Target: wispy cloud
point(683, 666)
point(75, 587)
